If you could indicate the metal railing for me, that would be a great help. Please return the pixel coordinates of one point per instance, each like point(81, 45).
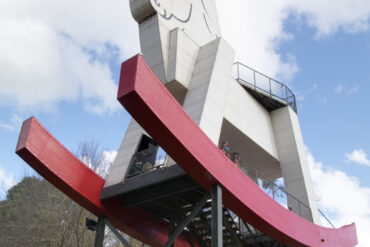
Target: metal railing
point(146, 161)
point(265, 84)
point(279, 193)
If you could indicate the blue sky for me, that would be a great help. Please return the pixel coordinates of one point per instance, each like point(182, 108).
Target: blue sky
point(61, 64)
point(332, 86)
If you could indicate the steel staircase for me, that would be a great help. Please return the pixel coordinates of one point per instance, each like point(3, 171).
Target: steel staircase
point(172, 195)
point(200, 228)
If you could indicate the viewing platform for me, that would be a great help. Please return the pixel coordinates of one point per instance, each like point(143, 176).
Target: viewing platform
point(271, 93)
point(168, 193)
point(163, 189)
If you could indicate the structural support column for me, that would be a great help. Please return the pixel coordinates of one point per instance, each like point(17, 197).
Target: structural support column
point(99, 234)
point(171, 230)
point(294, 164)
point(216, 196)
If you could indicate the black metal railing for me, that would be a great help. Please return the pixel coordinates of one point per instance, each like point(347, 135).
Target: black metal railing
point(279, 193)
point(265, 84)
point(153, 159)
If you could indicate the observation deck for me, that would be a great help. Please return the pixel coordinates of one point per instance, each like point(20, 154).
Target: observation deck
point(168, 193)
point(271, 93)
point(164, 190)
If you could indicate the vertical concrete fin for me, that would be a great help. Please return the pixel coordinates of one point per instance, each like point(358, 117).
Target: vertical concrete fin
point(293, 163)
point(206, 95)
point(200, 81)
point(182, 56)
point(153, 41)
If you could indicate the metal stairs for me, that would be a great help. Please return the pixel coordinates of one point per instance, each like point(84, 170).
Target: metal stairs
point(200, 228)
point(171, 195)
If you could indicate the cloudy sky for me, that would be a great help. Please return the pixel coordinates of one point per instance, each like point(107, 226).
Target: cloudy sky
point(59, 61)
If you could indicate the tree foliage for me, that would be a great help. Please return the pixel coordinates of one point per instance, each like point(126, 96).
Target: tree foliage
point(35, 213)
point(272, 187)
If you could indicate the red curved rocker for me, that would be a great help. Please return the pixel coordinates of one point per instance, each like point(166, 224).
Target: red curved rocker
point(155, 109)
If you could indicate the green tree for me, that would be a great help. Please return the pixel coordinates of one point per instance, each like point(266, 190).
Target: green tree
point(272, 188)
point(35, 213)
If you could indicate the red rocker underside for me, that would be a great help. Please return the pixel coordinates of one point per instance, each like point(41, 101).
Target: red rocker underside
point(55, 163)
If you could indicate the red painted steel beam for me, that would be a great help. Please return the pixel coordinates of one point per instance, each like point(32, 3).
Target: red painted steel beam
point(155, 109)
point(55, 163)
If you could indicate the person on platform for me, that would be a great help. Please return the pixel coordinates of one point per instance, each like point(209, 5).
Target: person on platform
point(150, 155)
point(144, 160)
point(225, 148)
point(235, 158)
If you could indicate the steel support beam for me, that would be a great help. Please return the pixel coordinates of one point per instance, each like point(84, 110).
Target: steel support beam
point(187, 220)
point(189, 240)
point(276, 244)
point(251, 233)
point(216, 195)
point(99, 234)
point(118, 235)
point(171, 230)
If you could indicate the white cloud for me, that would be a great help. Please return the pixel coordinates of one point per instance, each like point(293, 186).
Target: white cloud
point(329, 16)
point(7, 180)
point(256, 28)
point(358, 156)
point(343, 198)
point(338, 89)
point(14, 123)
point(60, 51)
point(44, 56)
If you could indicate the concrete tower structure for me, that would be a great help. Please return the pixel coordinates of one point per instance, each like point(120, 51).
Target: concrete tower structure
point(181, 42)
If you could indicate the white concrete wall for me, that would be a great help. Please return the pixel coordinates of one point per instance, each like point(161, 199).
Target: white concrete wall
point(248, 115)
point(201, 102)
point(216, 101)
point(192, 60)
point(151, 46)
point(119, 168)
point(202, 24)
point(214, 95)
point(182, 55)
point(197, 25)
point(293, 162)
